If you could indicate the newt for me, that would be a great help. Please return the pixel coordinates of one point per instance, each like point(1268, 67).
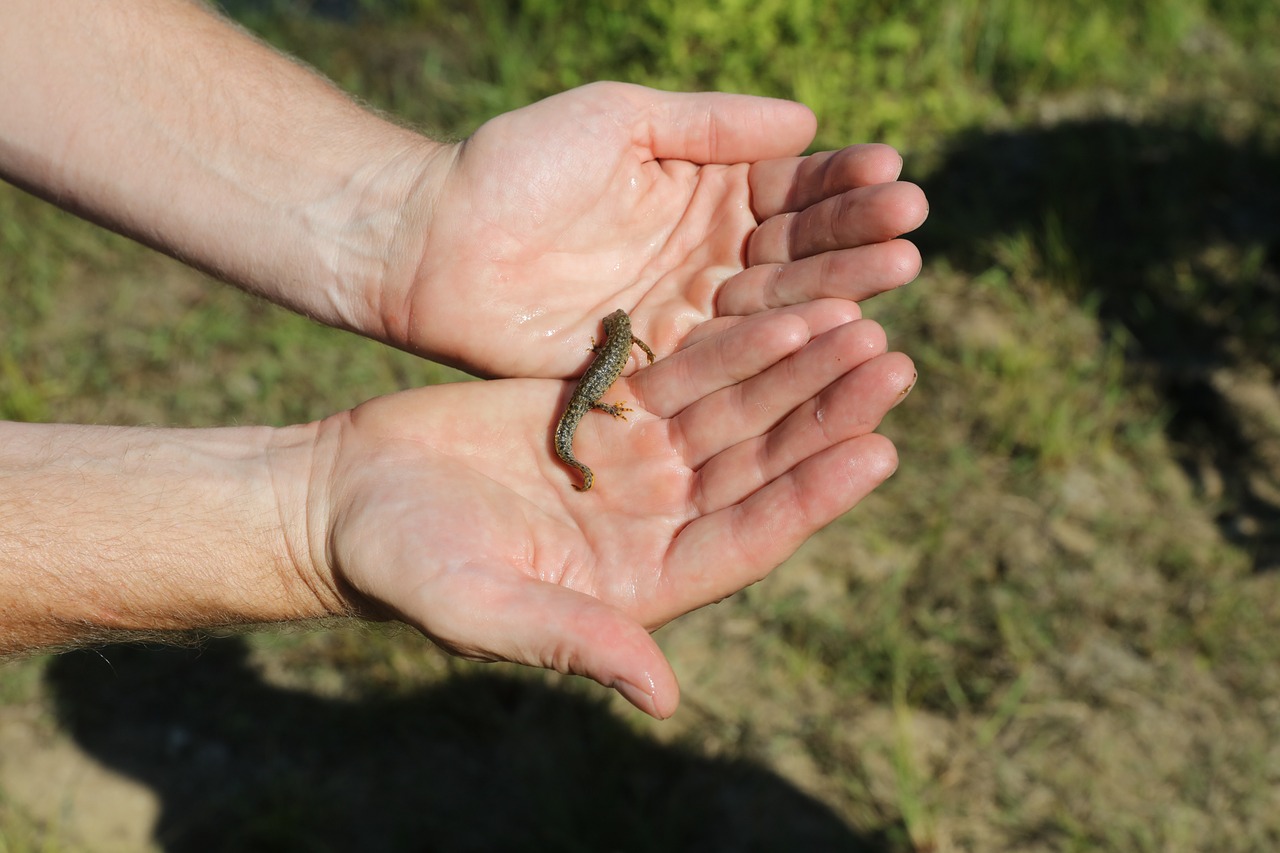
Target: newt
point(604, 370)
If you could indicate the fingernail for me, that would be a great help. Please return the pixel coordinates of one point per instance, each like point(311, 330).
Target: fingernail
point(641, 698)
point(902, 395)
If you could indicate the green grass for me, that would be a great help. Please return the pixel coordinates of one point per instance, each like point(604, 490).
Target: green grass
point(1057, 627)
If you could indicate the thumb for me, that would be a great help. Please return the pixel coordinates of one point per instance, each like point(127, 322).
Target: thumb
point(714, 127)
point(529, 621)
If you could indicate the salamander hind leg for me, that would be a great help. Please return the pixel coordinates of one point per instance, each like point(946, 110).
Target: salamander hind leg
point(644, 347)
point(618, 409)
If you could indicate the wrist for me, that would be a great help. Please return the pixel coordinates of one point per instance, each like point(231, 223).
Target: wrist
point(310, 481)
point(297, 466)
point(382, 240)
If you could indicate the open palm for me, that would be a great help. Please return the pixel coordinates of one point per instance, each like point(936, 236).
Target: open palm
point(675, 207)
point(448, 510)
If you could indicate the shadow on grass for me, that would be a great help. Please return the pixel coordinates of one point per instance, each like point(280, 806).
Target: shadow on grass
point(1173, 232)
point(485, 762)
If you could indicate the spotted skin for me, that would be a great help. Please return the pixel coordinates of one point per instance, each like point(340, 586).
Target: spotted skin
point(611, 357)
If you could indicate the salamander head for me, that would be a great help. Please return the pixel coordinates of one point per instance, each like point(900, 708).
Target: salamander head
point(617, 320)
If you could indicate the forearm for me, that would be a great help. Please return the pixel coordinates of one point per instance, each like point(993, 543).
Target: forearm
point(106, 532)
point(162, 121)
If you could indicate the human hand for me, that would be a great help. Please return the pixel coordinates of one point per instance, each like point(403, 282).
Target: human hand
point(446, 508)
point(675, 207)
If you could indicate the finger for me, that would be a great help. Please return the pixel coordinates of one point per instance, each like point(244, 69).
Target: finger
point(721, 128)
point(855, 218)
point(752, 408)
point(741, 352)
point(742, 349)
point(852, 406)
point(794, 183)
point(528, 621)
point(748, 540)
point(820, 315)
point(855, 274)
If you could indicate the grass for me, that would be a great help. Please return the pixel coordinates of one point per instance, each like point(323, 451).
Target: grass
point(1056, 628)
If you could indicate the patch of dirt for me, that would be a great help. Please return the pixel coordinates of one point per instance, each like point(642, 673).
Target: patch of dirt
point(75, 802)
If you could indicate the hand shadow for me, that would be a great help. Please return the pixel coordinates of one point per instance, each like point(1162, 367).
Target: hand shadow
point(480, 762)
point(1170, 231)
